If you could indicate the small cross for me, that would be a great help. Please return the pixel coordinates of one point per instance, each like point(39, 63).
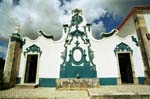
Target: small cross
point(77, 43)
point(17, 29)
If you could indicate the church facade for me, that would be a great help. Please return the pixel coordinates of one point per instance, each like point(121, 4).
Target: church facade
point(120, 57)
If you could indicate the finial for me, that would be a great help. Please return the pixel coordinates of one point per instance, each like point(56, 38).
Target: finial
point(77, 11)
point(17, 29)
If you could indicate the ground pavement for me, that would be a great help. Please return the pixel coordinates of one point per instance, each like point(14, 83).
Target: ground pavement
point(103, 92)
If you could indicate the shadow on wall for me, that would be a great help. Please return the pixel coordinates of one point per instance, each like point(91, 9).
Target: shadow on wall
point(2, 62)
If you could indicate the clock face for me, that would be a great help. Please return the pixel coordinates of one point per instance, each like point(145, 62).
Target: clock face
point(77, 55)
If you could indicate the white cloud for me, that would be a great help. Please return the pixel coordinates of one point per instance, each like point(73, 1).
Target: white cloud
point(91, 10)
point(46, 14)
point(98, 28)
point(31, 15)
point(94, 10)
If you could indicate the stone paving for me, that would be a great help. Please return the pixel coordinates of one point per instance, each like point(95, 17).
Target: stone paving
point(121, 90)
point(43, 93)
point(53, 93)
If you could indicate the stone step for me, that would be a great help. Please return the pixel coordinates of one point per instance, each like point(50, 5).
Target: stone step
point(120, 97)
point(73, 83)
point(103, 92)
point(26, 85)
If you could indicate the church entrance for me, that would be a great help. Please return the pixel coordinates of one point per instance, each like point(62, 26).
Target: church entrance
point(31, 69)
point(125, 68)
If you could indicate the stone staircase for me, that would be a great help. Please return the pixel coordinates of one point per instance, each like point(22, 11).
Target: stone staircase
point(103, 92)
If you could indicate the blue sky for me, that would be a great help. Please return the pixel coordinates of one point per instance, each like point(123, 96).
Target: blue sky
point(50, 15)
point(3, 48)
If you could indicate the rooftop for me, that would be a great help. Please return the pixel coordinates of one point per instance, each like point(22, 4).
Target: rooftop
point(133, 11)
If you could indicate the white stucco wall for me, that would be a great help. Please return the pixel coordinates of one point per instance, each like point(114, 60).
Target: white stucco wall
point(104, 57)
point(125, 32)
point(128, 28)
point(147, 20)
point(106, 60)
point(49, 60)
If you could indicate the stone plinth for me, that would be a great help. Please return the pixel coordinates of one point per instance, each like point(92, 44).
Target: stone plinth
point(73, 83)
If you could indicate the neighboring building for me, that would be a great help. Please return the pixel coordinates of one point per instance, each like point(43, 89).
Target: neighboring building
point(119, 58)
point(138, 22)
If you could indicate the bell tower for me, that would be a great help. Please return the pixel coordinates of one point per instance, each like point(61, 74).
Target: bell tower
point(13, 58)
point(77, 55)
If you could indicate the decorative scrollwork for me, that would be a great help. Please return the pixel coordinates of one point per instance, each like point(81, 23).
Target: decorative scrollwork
point(122, 47)
point(33, 48)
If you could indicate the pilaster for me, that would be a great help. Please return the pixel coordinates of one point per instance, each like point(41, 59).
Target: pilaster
point(143, 42)
point(13, 59)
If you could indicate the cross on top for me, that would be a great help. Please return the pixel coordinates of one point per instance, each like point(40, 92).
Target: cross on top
point(77, 43)
point(77, 11)
point(17, 29)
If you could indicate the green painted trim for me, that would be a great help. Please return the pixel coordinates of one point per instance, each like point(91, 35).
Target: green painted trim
point(33, 48)
point(122, 47)
point(47, 82)
point(77, 33)
point(15, 37)
point(141, 80)
point(65, 27)
point(72, 68)
point(46, 36)
point(83, 71)
point(23, 42)
point(109, 34)
point(76, 18)
point(43, 82)
point(108, 81)
point(51, 82)
point(135, 40)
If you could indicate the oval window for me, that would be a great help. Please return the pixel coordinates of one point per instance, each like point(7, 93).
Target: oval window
point(77, 55)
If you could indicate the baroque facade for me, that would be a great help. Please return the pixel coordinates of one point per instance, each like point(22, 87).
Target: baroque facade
point(120, 57)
